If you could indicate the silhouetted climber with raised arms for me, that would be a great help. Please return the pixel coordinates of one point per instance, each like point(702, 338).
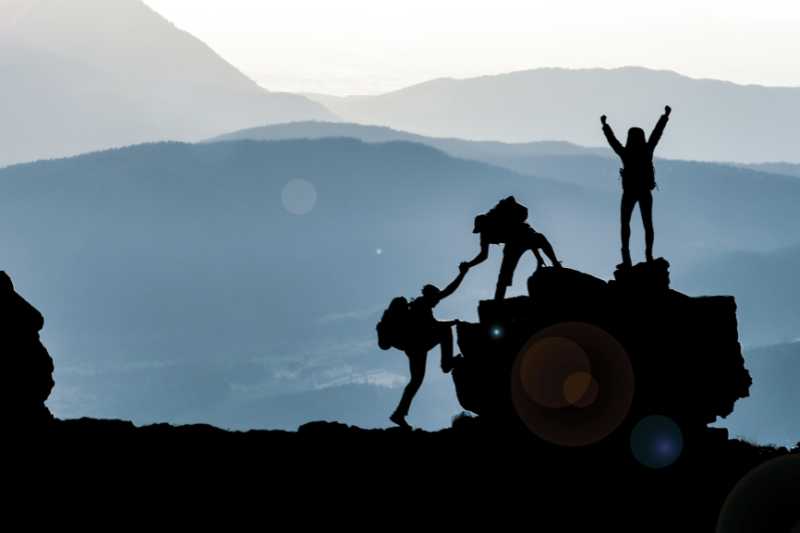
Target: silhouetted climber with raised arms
point(638, 180)
point(412, 328)
point(506, 224)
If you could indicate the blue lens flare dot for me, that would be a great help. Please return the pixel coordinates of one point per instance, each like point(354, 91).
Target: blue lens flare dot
point(496, 332)
point(656, 441)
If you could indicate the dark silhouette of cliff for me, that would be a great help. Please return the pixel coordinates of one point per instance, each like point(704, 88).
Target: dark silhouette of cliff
point(27, 367)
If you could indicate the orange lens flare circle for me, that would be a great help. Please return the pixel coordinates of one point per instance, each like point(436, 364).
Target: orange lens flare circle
point(572, 384)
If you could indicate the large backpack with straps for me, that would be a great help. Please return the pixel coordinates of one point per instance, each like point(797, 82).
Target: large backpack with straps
point(394, 324)
point(503, 217)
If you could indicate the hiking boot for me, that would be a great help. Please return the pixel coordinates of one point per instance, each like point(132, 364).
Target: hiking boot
point(626, 259)
point(400, 420)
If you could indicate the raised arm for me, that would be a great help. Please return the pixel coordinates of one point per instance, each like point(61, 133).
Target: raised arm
point(611, 138)
point(450, 289)
point(658, 131)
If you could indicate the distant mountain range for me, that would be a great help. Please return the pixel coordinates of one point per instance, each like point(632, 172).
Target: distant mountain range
point(541, 157)
point(727, 266)
point(75, 85)
point(769, 415)
point(479, 150)
point(713, 120)
point(787, 169)
point(765, 286)
point(178, 287)
point(81, 75)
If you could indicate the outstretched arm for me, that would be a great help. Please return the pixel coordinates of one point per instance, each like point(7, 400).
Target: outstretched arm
point(482, 255)
point(450, 289)
point(658, 131)
point(611, 138)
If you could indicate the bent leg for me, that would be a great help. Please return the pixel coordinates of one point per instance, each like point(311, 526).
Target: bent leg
point(511, 255)
point(416, 366)
point(646, 209)
point(626, 211)
point(445, 338)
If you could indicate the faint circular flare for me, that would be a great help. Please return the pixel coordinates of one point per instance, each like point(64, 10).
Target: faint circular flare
point(581, 389)
point(766, 500)
point(572, 384)
point(549, 366)
point(299, 197)
point(656, 441)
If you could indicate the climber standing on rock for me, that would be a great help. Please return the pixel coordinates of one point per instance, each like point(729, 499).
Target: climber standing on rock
point(506, 224)
point(638, 180)
point(412, 328)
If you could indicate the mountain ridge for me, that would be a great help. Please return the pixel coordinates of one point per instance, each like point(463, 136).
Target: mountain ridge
point(80, 86)
point(195, 238)
point(542, 104)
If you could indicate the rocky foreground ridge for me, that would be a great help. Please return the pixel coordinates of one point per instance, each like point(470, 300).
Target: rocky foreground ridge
point(559, 453)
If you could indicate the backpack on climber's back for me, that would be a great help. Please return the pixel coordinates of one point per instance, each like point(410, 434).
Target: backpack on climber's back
point(393, 325)
point(504, 216)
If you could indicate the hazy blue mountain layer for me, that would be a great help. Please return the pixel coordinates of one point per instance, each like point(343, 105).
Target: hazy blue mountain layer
point(713, 120)
point(178, 285)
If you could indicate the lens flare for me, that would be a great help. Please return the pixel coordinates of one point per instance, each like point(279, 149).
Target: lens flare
point(765, 500)
point(572, 384)
point(299, 197)
point(547, 367)
point(496, 332)
point(581, 389)
point(656, 441)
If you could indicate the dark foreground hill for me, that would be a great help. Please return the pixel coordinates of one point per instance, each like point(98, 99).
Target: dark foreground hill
point(482, 468)
point(470, 473)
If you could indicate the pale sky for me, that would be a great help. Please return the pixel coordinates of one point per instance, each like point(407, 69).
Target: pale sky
point(372, 46)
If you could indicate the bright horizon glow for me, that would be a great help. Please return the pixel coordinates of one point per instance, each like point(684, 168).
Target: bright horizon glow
point(373, 46)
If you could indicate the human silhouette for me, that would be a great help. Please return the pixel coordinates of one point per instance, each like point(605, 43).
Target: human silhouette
point(505, 224)
point(638, 180)
point(421, 333)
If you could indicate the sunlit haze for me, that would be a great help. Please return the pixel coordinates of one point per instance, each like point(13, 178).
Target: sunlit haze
point(369, 46)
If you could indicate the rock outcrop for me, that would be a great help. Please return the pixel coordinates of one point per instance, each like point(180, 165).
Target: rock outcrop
point(28, 368)
point(579, 348)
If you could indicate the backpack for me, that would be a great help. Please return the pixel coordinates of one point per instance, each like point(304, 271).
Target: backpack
point(392, 328)
point(503, 217)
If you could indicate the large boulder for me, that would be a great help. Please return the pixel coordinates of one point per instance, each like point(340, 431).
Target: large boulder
point(579, 350)
point(27, 367)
